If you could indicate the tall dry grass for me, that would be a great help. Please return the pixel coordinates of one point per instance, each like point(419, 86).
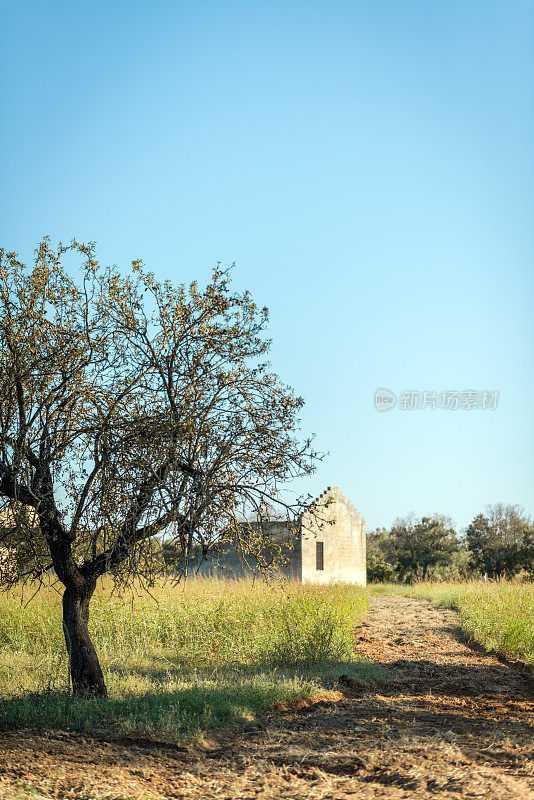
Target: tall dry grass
point(181, 658)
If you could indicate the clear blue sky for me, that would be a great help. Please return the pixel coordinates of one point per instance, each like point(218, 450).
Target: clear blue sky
point(369, 166)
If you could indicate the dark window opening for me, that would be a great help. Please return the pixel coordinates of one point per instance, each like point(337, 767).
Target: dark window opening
point(319, 555)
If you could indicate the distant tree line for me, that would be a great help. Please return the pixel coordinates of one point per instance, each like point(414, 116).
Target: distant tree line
point(497, 544)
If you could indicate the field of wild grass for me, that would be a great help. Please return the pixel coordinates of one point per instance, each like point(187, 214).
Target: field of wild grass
point(498, 615)
point(180, 659)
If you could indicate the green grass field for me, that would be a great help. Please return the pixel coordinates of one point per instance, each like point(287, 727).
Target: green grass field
point(204, 653)
point(498, 615)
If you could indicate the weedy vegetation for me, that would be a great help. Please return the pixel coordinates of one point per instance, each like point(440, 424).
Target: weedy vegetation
point(498, 615)
point(184, 658)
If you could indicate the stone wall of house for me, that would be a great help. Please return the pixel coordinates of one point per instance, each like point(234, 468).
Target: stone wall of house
point(333, 521)
point(280, 543)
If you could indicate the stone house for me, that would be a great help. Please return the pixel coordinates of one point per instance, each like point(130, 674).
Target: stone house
point(327, 543)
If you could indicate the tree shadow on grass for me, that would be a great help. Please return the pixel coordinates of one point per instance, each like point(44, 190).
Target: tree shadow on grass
point(416, 697)
point(422, 677)
point(179, 704)
point(330, 736)
point(524, 669)
point(160, 670)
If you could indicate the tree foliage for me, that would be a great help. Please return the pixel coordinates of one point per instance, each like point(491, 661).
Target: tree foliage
point(421, 545)
point(380, 560)
point(501, 541)
point(129, 409)
point(412, 549)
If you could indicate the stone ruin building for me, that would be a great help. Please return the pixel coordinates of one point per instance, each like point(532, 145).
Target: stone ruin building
point(327, 543)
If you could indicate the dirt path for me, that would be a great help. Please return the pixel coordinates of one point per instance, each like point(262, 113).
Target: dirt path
point(451, 722)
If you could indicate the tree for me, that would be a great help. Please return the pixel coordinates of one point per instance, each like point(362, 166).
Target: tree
point(419, 546)
point(380, 564)
point(131, 409)
point(501, 541)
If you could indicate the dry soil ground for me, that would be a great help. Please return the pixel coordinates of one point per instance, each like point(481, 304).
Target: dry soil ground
point(450, 722)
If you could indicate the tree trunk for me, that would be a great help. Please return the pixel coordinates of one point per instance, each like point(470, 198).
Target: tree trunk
point(85, 670)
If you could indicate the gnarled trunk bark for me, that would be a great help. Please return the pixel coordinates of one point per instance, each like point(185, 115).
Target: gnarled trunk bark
point(86, 673)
